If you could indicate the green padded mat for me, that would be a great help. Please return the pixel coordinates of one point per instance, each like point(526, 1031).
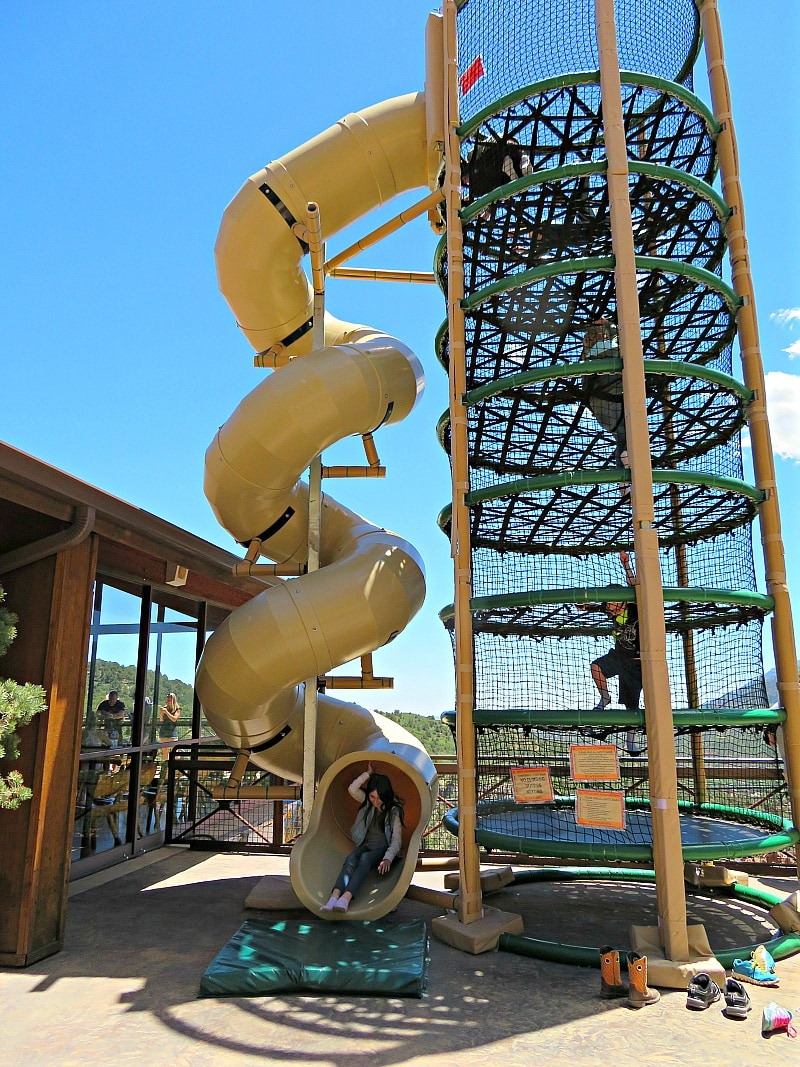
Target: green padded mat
point(296, 956)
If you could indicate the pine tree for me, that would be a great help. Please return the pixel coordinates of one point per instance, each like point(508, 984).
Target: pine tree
point(18, 705)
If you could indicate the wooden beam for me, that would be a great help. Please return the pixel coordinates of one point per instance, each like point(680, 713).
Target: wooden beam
point(52, 599)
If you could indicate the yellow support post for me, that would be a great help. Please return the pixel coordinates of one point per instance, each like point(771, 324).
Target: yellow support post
point(761, 441)
point(272, 358)
point(268, 570)
point(370, 450)
point(394, 224)
point(238, 770)
point(366, 680)
point(374, 470)
point(368, 275)
point(231, 791)
point(667, 855)
point(313, 237)
point(470, 901)
point(311, 234)
point(353, 472)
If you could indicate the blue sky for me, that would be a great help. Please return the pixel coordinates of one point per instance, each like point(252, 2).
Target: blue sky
point(128, 128)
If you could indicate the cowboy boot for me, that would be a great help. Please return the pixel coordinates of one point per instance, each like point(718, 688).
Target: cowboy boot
point(610, 980)
point(639, 995)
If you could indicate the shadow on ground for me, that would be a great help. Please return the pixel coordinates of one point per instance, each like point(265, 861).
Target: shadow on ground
point(140, 944)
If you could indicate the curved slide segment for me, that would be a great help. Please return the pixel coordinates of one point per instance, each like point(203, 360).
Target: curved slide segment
point(370, 582)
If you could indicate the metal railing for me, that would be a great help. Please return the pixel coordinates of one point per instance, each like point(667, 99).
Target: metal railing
point(263, 814)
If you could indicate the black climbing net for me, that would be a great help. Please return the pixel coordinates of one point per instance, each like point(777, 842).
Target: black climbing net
point(549, 494)
point(502, 46)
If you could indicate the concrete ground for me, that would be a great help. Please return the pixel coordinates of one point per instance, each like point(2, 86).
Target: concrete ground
point(124, 990)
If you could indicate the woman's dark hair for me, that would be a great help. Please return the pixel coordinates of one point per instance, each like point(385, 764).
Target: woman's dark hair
point(381, 784)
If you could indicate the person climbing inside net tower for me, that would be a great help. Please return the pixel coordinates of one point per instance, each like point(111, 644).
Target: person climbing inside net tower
point(493, 163)
point(624, 659)
point(604, 391)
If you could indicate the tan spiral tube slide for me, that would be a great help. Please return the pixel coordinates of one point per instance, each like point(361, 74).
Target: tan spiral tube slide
point(370, 582)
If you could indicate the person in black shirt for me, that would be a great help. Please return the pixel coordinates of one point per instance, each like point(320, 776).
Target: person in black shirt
point(624, 659)
point(492, 164)
point(112, 715)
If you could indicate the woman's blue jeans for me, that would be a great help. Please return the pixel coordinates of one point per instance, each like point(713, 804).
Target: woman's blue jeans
point(357, 866)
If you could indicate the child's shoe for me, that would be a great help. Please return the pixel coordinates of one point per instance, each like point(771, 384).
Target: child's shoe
point(737, 1001)
point(758, 970)
point(703, 991)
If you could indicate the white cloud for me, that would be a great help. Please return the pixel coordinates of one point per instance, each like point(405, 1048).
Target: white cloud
point(786, 315)
point(793, 349)
point(783, 404)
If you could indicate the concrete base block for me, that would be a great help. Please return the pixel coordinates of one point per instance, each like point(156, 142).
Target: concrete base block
point(712, 874)
point(492, 881)
point(439, 898)
point(274, 893)
point(787, 914)
point(676, 974)
point(480, 936)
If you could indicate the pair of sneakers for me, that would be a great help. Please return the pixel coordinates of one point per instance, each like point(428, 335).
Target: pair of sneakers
point(703, 991)
point(335, 904)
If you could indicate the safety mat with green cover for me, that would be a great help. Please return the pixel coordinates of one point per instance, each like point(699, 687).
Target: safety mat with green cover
point(293, 956)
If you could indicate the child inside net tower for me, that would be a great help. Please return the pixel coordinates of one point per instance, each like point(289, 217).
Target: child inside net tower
point(604, 391)
point(623, 660)
point(564, 218)
point(492, 164)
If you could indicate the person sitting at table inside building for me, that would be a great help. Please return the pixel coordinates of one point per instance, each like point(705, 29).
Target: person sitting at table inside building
point(112, 715)
point(93, 735)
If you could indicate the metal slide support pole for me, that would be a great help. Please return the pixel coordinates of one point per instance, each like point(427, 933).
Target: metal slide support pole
point(667, 854)
point(470, 900)
point(761, 441)
point(368, 274)
point(392, 226)
point(317, 252)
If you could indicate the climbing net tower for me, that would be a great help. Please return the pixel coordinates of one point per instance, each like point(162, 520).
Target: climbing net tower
point(551, 513)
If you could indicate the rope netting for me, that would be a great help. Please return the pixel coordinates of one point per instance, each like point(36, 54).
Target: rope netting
point(514, 47)
point(549, 496)
point(538, 422)
point(536, 674)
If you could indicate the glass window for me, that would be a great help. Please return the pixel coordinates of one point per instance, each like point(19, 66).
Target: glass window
point(127, 736)
point(152, 798)
point(101, 809)
point(171, 659)
point(111, 683)
point(104, 771)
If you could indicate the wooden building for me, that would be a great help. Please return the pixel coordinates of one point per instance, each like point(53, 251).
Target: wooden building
point(66, 550)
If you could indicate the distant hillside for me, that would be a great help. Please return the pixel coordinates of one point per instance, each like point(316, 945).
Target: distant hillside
point(740, 698)
point(771, 679)
point(435, 736)
point(109, 675)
